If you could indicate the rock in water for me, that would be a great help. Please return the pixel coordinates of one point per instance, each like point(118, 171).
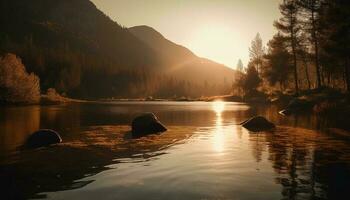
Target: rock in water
point(42, 138)
point(257, 124)
point(146, 124)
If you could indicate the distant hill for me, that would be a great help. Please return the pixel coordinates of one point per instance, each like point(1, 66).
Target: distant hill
point(169, 52)
point(74, 47)
point(180, 61)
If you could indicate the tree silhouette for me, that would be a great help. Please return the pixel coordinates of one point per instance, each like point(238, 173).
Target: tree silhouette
point(304, 56)
point(251, 80)
point(336, 37)
point(278, 60)
point(239, 66)
point(289, 25)
point(256, 52)
point(311, 14)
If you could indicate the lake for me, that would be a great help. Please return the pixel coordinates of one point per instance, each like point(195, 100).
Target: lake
point(205, 154)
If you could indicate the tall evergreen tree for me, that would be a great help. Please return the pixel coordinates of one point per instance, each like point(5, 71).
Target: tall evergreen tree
point(304, 56)
point(256, 52)
point(311, 14)
point(337, 35)
point(251, 81)
point(239, 66)
point(289, 26)
point(278, 62)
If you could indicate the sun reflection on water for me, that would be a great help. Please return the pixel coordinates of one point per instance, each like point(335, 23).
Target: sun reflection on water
point(218, 107)
point(218, 134)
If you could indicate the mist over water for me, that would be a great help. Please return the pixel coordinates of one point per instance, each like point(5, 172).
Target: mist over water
point(205, 154)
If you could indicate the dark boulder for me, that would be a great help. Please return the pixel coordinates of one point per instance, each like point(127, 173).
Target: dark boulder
point(257, 124)
point(146, 124)
point(42, 138)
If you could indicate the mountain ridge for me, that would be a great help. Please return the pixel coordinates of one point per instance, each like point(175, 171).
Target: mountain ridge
point(78, 50)
point(182, 58)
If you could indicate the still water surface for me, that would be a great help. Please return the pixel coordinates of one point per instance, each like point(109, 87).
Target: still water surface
point(204, 155)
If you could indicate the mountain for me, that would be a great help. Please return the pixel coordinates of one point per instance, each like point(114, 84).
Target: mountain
point(77, 23)
point(73, 47)
point(169, 52)
point(180, 61)
point(78, 50)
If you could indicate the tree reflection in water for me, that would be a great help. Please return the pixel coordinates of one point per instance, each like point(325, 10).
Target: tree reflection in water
point(305, 162)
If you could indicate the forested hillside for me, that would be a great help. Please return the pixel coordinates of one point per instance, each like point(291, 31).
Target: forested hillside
point(75, 48)
point(182, 64)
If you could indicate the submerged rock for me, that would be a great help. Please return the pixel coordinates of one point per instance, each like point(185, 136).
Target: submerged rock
point(257, 124)
point(146, 124)
point(42, 138)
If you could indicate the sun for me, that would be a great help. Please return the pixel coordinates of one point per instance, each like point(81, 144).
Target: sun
point(218, 107)
point(219, 43)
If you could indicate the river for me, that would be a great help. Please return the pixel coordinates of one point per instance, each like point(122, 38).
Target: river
point(205, 154)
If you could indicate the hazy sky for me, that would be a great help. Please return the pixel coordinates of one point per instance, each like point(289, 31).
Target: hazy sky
point(220, 30)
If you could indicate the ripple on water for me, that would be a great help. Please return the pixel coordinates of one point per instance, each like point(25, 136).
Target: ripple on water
point(221, 161)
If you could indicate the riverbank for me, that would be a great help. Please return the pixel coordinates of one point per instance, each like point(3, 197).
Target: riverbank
point(326, 102)
point(322, 102)
point(55, 100)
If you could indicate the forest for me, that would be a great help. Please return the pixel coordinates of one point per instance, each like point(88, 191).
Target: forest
point(80, 52)
point(309, 51)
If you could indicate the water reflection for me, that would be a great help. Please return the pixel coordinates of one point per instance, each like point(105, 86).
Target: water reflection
point(218, 107)
point(218, 134)
point(63, 167)
point(15, 125)
point(308, 164)
point(204, 155)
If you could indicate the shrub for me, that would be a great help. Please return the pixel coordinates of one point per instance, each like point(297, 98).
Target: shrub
point(52, 97)
point(16, 85)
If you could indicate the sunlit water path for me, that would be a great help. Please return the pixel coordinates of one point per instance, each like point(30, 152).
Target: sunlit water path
point(204, 155)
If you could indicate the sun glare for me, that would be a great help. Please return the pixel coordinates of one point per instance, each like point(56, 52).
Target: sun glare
point(218, 107)
point(218, 138)
point(219, 43)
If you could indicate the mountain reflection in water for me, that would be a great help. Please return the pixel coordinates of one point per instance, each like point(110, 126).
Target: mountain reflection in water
point(204, 155)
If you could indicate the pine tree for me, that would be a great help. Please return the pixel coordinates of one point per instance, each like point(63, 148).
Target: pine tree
point(311, 13)
point(239, 66)
point(256, 52)
point(278, 62)
point(337, 36)
point(288, 24)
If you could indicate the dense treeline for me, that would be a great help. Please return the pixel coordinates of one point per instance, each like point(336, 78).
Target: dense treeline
point(66, 42)
point(309, 51)
point(76, 49)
